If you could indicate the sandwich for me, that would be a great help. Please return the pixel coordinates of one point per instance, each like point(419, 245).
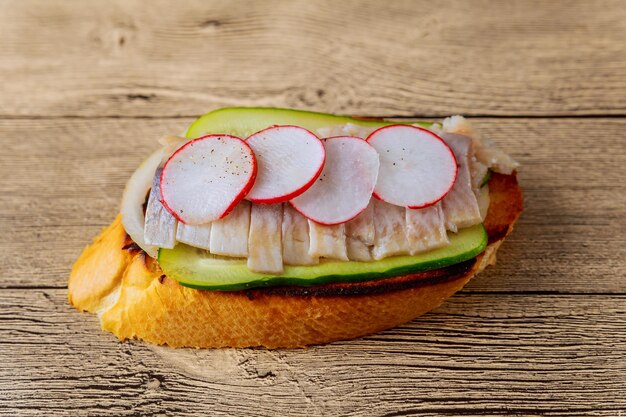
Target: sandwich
point(279, 228)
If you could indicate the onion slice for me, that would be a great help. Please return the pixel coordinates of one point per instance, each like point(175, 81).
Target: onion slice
point(134, 196)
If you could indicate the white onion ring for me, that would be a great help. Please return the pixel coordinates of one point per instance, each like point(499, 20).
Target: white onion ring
point(133, 198)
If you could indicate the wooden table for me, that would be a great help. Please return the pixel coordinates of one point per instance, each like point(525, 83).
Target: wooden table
point(87, 87)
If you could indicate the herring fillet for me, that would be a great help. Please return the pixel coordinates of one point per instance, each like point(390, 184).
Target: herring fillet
point(295, 234)
point(265, 252)
point(390, 226)
point(328, 241)
point(426, 229)
point(198, 236)
point(357, 250)
point(159, 226)
point(229, 236)
point(360, 235)
point(486, 152)
point(460, 207)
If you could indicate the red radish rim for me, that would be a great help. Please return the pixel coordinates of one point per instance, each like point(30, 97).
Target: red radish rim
point(324, 223)
point(377, 197)
point(425, 205)
point(346, 221)
point(436, 136)
point(237, 198)
point(344, 136)
point(293, 194)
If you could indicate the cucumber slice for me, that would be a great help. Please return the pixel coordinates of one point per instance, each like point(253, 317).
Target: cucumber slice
point(197, 268)
point(244, 121)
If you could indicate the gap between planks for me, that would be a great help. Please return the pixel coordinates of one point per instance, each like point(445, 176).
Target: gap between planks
point(381, 116)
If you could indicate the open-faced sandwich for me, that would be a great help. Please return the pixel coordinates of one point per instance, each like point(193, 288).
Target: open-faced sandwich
point(283, 228)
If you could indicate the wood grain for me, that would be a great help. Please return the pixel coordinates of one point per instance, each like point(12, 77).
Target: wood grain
point(61, 182)
point(86, 88)
point(479, 354)
point(480, 57)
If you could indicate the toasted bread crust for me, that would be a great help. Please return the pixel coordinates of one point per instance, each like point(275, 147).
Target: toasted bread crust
point(135, 300)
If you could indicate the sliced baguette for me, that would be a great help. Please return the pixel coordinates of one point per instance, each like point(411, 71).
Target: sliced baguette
point(134, 300)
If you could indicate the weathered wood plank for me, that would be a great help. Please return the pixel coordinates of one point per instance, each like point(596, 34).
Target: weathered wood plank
point(125, 58)
point(479, 354)
point(61, 181)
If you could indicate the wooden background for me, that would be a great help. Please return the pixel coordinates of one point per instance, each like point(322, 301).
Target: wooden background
point(86, 87)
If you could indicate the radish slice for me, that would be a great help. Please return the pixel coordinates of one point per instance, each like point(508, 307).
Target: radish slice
point(417, 168)
point(344, 188)
point(206, 178)
point(290, 159)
